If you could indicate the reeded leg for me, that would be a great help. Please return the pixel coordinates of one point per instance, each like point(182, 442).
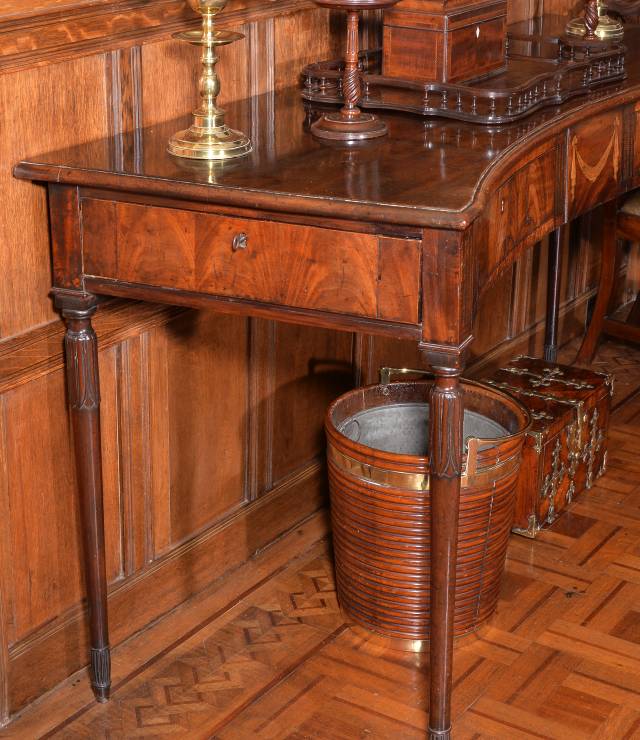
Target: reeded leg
point(553, 297)
point(446, 467)
point(84, 403)
point(605, 287)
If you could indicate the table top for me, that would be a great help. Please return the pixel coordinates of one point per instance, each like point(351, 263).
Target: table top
point(424, 173)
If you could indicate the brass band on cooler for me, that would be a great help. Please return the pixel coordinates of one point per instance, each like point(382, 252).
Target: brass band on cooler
point(415, 481)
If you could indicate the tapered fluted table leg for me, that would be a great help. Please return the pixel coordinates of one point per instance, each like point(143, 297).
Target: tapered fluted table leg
point(553, 297)
point(83, 385)
point(446, 417)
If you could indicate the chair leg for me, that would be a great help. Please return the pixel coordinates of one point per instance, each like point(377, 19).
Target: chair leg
point(634, 315)
point(605, 287)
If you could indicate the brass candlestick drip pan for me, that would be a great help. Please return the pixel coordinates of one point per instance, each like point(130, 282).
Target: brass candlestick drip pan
point(209, 138)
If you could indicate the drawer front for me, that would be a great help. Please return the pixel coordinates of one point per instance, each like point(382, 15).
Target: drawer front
point(520, 212)
point(278, 263)
point(595, 160)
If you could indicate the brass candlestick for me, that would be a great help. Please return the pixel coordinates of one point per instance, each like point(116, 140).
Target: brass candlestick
point(596, 25)
point(209, 137)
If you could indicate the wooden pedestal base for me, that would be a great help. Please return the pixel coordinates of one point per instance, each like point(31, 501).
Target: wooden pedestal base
point(350, 123)
point(341, 127)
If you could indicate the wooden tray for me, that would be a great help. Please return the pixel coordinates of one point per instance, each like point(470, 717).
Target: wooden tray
point(542, 70)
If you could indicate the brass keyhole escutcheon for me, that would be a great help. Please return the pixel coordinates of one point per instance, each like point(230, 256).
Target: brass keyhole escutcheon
point(240, 241)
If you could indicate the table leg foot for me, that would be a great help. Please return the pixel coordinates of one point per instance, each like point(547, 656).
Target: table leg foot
point(101, 673)
point(440, 734)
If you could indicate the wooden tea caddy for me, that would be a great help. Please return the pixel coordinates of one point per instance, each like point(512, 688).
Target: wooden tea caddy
point(444, 40)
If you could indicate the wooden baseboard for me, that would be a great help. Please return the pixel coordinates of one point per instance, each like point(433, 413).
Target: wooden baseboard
point(55, 652)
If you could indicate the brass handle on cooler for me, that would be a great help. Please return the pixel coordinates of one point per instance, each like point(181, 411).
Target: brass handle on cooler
point(386, 373)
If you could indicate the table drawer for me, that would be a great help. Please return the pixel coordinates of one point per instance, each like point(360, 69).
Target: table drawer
point(522, 209)
point(279, 263)
point(595, 162)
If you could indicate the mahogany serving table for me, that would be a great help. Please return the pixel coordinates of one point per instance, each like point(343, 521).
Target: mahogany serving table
point(399, 236)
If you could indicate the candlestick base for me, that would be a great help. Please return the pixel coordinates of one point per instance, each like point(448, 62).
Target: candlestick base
point(220, 142)
point(608, 28)
point(338, 127)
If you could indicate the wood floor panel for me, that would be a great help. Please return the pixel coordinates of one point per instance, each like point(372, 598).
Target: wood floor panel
point(559, 659)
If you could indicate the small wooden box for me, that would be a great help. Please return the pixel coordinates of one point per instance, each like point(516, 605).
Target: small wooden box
point(566, 448)
point(444, 40)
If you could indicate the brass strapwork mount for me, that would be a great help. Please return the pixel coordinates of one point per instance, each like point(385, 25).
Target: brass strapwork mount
point(596, 24)
point(209, 137)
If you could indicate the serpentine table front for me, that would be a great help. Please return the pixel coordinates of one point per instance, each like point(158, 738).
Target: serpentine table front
point(398, 236)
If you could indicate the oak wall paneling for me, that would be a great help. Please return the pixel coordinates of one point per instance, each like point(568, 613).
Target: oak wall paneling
point(208, 402)
point(178, 516)
point(249, 392)
point(5, 567)
point(305, 383)
point(34, 120)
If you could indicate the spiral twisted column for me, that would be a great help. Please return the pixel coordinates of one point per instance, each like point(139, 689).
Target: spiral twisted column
point(591, 19)
point(351, 87)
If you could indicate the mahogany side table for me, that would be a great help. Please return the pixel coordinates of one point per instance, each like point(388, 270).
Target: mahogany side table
point(400, 237)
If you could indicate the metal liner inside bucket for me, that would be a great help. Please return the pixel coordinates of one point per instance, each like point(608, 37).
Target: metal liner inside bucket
point(378, 439)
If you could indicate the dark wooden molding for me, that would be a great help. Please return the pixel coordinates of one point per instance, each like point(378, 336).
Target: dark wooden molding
point(31, 355)
point(446, 408)
point(55, 36)
point(83, 387)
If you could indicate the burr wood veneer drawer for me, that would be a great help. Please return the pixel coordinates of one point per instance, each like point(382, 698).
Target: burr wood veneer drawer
point(278, 263)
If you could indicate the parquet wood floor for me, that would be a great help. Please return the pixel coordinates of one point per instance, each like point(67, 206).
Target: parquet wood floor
point(267, 654)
